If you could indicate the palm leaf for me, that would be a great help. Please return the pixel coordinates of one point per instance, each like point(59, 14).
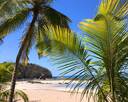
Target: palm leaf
point(116, 8)
point(18, 94)
point(70, 57)
point(13, 22)
point(15, 6)
point(59, 18)
point(105, 33)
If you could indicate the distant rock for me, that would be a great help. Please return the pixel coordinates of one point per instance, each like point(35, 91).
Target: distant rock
point(33, 71)
point(30, 71)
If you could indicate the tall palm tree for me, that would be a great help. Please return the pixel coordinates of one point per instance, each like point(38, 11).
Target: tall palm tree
point(103, 69)
point(42, 15)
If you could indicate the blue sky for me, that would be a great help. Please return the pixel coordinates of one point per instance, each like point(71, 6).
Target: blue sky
point(76, 10)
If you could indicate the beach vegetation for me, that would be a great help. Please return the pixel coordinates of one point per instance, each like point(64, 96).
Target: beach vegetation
point(6, 70)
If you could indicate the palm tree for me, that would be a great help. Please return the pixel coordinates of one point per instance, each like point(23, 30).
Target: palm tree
point(107, 35)
point(102, 68)
point(42, 15)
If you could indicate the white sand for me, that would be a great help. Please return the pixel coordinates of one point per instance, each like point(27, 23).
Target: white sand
point(49, 91)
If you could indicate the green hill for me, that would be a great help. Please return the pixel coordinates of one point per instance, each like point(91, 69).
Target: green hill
point(31, 71)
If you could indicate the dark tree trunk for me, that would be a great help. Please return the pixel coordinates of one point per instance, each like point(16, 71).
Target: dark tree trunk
point(14, 75)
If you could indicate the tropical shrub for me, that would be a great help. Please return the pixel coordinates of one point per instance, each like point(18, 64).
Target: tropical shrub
point(18, 95)
point(5, 72)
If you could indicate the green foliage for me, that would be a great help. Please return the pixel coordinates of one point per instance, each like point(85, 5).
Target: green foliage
point(107, 38)
point(103, 69)
point(42, 16)
point(5, 72)
point(70, 56)
point(5, 76)
point(13, 22)
point(100, 65)
point(15, 13)
point(18, 95)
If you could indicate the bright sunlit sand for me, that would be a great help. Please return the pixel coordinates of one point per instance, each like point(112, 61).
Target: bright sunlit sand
point(49, 91)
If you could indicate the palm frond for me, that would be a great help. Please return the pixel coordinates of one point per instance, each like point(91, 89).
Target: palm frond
point(42, 41)
point(19, 95)
point(12, 23)
point(104, 38)
point(70, 57)
point(59, 18)
point(116, 8)
point(5, 6)
point(65, 37)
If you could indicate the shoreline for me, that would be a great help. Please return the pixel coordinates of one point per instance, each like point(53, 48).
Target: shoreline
point(60, 85)
point(49, 91)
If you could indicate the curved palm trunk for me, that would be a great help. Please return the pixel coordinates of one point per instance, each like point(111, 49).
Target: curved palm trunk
point(112, 85)
point(14, 75)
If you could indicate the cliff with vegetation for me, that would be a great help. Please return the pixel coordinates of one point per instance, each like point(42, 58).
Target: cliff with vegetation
point(30, 71)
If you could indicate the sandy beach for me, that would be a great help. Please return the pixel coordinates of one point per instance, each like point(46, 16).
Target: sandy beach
point(49, 91)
